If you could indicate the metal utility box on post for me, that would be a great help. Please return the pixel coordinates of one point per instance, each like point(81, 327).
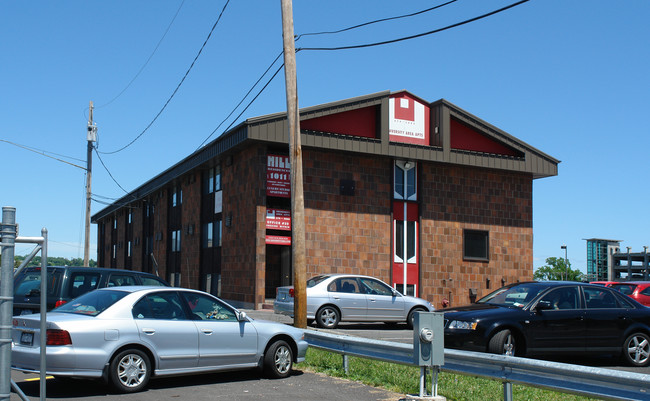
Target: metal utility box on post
point(429, 349)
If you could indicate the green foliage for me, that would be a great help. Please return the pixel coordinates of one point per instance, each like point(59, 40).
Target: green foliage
point(54, 261)
point(556, 269)
point(403, 379)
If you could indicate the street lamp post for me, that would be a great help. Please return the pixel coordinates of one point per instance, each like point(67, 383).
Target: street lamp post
point(566, 263)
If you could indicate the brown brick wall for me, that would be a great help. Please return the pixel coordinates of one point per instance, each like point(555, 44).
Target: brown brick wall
point(458, 198)
point(347, 234)
point(138, 239)
point(243, 244)
point(191, 242)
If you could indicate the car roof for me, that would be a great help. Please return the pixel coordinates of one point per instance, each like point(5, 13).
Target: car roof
point(88, 268)
point(143, 288)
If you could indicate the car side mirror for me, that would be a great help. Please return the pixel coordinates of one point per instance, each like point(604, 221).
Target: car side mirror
point(241, 316)
point(543, 305)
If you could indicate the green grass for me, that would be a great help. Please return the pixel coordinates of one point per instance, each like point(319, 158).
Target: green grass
point(403, 379)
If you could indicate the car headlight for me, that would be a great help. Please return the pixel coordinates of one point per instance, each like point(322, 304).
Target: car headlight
point(462, 325)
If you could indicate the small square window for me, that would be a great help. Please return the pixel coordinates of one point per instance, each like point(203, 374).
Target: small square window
point(476, 245)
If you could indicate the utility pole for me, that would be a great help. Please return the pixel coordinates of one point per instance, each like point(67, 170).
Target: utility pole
point(91, 137)
point(295, 157)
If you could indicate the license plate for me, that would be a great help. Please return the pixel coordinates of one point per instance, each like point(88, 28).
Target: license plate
point(27, 338)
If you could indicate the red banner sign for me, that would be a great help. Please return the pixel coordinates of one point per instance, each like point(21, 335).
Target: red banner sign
point(278, 240)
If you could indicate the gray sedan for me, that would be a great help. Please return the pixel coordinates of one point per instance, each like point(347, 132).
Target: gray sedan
point(332, 298)
point(126, 335)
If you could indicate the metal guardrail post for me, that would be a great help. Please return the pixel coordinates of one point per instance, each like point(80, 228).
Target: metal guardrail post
point(507, 391)
point(8, 234)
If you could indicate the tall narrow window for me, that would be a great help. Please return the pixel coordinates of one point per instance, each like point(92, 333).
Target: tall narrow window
point(176, 241)
point(405, 186)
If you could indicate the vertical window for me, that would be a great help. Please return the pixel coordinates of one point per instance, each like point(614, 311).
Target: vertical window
point(212, 180)
point(177, 197)
point(128, 249)
point(130, 216)
point(115, 223)
point(475, 245)
point(176, 241)
point(405, 240)
point(212, 234)
point(208, 235)
point(405, 180)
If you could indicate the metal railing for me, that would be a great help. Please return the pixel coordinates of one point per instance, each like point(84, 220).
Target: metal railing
point(561, 377)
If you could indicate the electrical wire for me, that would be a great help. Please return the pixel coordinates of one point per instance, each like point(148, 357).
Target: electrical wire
point(43, 153)
point(413, 36)
point(375, 21)
point(146, 62)
point(108, 171)
point(177, 87)
point(242, 100)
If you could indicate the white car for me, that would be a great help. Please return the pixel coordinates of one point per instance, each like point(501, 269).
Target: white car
point(127, 334)
point(333, 298)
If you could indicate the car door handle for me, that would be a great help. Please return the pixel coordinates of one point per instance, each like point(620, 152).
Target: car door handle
point(149, 332)
point(372, 300)
point(335, 297)
point(207, 332)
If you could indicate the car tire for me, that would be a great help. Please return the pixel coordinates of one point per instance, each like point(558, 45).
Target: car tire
point(636, 350)
point(503, 343)
point(130, 371)
point(328, 317)
point(411, 316)
point(310, 322)
point(278, 360)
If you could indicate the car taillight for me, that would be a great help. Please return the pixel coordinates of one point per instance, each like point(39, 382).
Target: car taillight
point(58, 337)
point(291, 292)
point(59, 303)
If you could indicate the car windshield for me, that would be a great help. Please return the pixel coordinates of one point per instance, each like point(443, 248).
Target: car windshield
point(517, 295)
point(92, 303)
point(315, 280)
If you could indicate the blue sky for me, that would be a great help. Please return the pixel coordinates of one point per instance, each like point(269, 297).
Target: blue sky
point(570, 78)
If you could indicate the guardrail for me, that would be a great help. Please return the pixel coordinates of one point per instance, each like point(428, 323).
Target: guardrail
point(561, 377)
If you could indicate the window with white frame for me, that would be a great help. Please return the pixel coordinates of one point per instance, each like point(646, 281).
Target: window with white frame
point(405, 184)
point(177, 197)
point(405, 240)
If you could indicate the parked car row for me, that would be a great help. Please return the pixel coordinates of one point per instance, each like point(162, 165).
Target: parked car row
point(128, 329)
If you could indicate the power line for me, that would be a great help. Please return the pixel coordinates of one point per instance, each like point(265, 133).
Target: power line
point(108, 171)
point(417, 35)
point(242, 100)
point(146, 62)
point(43, 153)
point(177, 87)
point(375, 21)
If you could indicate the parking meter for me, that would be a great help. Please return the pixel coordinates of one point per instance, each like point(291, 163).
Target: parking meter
point(428, 339)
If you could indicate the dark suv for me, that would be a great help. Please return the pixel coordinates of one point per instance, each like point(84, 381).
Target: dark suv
point(65, 283)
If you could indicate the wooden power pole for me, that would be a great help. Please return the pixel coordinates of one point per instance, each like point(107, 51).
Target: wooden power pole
point(91, 137)
point(297, 199)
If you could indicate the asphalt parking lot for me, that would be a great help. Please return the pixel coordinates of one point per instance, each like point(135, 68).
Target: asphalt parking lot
point(235, 386)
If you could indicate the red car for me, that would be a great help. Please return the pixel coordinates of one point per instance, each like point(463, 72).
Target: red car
point(638, 290)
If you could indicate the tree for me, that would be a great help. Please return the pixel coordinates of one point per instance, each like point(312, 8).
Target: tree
point(556, 269)
point(53, 261)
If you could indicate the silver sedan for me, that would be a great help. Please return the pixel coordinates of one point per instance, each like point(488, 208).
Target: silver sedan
point(126, 335)
point(332, 298)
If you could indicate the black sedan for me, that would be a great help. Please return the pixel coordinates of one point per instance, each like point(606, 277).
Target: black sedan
point(534, 318)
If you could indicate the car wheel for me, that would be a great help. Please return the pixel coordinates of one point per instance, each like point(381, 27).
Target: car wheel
point(503, 343)
point(636, 349)
point(411, 317)
point(328, 317)
point(130, 371)
point(278, 360)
